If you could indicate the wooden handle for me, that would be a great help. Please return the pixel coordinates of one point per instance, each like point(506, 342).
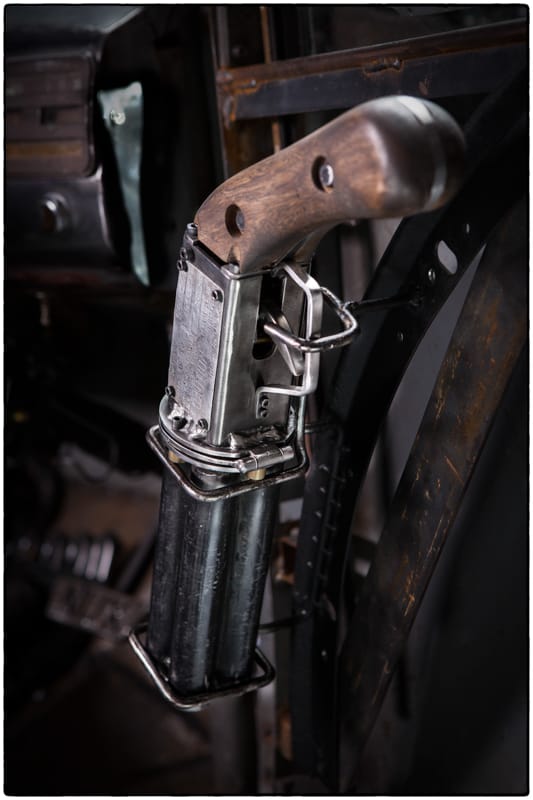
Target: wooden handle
point(391, 157)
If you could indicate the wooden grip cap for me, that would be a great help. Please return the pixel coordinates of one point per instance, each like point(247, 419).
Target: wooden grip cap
point(391, 157)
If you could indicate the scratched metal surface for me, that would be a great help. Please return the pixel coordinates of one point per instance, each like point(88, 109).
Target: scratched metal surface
point(489, 338)
point(194, 357)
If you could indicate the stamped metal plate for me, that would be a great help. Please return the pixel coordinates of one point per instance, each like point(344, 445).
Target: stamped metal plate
point(194, 355)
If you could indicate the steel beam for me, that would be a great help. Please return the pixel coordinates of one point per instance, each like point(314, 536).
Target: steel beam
point(455, 63)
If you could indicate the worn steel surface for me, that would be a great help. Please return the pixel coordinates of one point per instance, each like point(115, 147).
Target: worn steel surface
point(488, 340)
point(367, 380)
point(466, 61)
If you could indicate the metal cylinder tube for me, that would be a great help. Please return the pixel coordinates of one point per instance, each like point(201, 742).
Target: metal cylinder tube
point(248, 560)
point(209, 574)
point(165, 569)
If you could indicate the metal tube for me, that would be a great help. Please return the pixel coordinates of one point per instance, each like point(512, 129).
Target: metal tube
point(248, 560)
point(209, 576)
point(205, 530)
point(165, 569)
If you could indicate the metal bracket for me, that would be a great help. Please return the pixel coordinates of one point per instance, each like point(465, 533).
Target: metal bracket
point(311, 344)
point(154, 439)
point(198, 701)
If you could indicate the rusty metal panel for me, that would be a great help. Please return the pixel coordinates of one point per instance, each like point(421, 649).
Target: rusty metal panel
point(48, 116)
point(453, 63)
point(485, 348)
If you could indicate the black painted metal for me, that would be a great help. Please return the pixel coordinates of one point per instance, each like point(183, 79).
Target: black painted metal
point(369, 373)
point(204, 530)
point(484, 350)
point(439, 75)
point(209, 573)
point(448, 64)
point(165, 570)
point(248, 561)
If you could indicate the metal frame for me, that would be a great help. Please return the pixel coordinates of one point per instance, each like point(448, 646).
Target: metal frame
point(480, 62)
point(199, 701)
point(366, 383)
point(456, 63)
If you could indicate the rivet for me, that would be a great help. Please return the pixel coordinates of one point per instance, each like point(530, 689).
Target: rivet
point(117, 117)
point(192, 230)
point(326, 176)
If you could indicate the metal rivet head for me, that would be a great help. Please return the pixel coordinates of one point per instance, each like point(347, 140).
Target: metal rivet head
point(117, 117)
point(326, 176)
point(432, 275)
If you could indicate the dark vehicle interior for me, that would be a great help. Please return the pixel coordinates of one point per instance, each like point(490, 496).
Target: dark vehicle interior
point(394, 613)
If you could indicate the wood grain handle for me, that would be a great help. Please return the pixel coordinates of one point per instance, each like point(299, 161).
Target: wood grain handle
point(391, 157)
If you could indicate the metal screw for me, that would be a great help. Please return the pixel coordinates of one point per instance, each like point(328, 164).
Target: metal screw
point(117, 117)
point(187, 254)
point(217, 295)
point(432, 275)
point(182, 260)
point(326, 176)
point(192, 230)
point(264, 402)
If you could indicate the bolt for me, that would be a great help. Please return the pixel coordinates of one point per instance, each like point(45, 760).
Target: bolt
point(187, 254)
point(192, 230)
point(217, 295)
point(233, 268)
point(326, 176)
point(432, 275)
point(117, 117)
point(264, 402)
